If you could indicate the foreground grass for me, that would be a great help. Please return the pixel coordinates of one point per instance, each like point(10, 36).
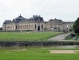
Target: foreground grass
point(15, 36)
point(35, 54)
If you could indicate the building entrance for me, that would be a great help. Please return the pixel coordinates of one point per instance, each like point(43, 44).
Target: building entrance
point(38, 28)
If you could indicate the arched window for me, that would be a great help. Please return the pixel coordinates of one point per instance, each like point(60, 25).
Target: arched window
point(35, 25)
point(55, 27)
point(16, 27)
point(41, 26)
point(58, 27)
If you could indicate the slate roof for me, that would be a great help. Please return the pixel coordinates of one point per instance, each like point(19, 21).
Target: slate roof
point(36, 18)
point(7, 22)
point(18, 19)
point(56, 20)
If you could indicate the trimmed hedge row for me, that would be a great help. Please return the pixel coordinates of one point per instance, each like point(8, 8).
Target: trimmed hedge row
point(32, 43)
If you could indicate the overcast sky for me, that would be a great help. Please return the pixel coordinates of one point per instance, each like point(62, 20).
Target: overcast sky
point(66, 10)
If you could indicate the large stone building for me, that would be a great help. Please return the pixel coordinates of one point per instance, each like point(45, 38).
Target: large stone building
point(36, 23)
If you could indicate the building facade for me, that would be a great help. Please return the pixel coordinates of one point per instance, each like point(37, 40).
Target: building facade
point(36, 23)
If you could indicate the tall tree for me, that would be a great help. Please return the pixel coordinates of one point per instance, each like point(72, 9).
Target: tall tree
point(76, 26)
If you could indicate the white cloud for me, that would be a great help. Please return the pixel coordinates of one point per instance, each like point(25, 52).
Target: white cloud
point(67, 10)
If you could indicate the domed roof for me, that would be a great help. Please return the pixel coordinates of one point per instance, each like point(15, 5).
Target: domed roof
point(19, 18)
point(36, 18)
point(7, 22)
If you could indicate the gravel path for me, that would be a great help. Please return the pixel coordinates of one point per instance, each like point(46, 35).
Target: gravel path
point(64, 51)
point(58, 38)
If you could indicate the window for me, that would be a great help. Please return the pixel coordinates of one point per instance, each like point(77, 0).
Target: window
point(16, 27)
point(58, 27)
point(35, 25)
point(55, 27)
point(41, 26)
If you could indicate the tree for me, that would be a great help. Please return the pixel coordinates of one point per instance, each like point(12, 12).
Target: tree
point(71, 28)
point(76, 26)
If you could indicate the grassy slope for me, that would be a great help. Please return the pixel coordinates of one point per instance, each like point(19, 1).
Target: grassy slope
point(26, 36)
point(35, 54)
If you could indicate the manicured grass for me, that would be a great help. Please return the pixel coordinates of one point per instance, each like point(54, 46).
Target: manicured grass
point(33, 56)
point(40, 53)
point(33, 36)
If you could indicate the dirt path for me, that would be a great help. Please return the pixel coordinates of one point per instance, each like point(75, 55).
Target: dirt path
point(64, 51)
point(58, 38)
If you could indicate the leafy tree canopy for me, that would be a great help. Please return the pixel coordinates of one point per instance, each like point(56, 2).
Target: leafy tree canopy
point(76, 26)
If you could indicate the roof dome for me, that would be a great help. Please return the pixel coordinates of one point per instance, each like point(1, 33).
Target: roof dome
point(19, 18)
point(7, 22)
point(36, 18)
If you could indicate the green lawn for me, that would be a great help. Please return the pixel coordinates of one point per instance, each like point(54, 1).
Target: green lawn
point(39, 53)
point(27, 35)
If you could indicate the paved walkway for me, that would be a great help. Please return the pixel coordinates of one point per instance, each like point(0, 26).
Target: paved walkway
point(58, 38)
